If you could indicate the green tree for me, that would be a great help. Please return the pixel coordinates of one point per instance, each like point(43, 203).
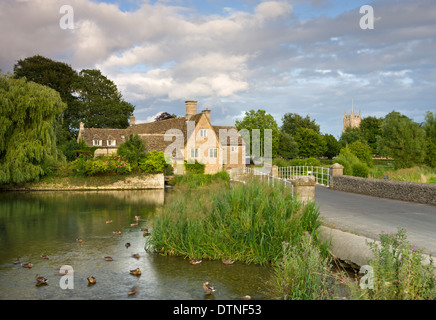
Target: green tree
point(260, 120)
point(310, 143)
point(333, 146)
point(288, 147)
point(402, 139)
point(350, 135)
point(370, 130)
point(60, 77)
point(133, 150)
point(28, 112)
point(430, 130)
point(102, 103)
point(293, 121)
point(361, 151)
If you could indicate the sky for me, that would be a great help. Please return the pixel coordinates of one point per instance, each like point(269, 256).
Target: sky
point(286, 56)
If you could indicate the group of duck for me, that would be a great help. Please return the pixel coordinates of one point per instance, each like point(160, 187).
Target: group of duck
point(40, 280)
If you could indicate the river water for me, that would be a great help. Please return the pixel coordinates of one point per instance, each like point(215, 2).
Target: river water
point(49, 223)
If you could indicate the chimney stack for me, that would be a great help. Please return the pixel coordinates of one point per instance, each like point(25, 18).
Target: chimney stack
point(207, 113)
point(132, 120)
point(191, 108)
point(82, 126)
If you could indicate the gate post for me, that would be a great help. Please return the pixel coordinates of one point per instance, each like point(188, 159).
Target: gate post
point(335, 170)
point(304, 188)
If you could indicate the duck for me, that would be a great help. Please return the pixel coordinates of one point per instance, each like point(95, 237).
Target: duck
point(44, 256)
point(146, 233)
point(137, 218)
point(133, 224)
point(136, 272)
point(228, 261)
point(208, 287)
point(27, 265)
point(17, 261)
point(127, 244)
point(79, 240)
point(195, 261)
point(133, 291)
point(108, 258)
point(40, 280)
point(135, 255)
point(144, 229)
point(91, 280)
point(108, 221)
point(117, 232)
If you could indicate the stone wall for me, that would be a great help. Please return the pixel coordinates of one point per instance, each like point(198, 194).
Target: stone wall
point(398, 190)
point(146, 181)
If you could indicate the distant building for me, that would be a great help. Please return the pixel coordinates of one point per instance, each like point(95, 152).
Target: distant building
point(218, 147)
point(353, 120)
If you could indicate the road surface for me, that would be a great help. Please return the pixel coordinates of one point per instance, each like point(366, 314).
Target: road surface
point(369, 216)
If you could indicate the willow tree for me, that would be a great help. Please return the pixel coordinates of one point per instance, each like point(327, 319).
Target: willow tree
point(28, 113)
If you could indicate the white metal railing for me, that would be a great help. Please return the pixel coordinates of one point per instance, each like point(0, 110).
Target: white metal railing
point(270, 178)
point(321, 174)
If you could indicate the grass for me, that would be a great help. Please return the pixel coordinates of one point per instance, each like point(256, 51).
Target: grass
point(416, 174)
point(246, 223)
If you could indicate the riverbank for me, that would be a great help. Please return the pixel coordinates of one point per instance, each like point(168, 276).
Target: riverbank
point(110, 182)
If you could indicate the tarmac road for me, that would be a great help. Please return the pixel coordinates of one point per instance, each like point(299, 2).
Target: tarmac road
point(369, 216)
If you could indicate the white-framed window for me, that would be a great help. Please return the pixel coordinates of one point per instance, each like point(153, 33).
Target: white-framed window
point(97, 142)
point(203, 133)
point(213, 153)
point(194, 153)
point(233, 149)
point(123, 136)
point(111, 143)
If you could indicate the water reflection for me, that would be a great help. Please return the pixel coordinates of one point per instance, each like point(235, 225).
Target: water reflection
point(48, 223)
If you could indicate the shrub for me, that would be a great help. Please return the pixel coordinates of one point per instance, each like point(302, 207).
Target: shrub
point(195, 167)
point(133, 150)
point(305, 162)
point(398, 271)
point(362, 151)
point(360, 169)
point(100, 166)
point(352, 165)
point(154, 162)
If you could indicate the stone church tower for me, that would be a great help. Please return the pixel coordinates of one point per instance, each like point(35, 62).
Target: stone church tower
point(353, 120)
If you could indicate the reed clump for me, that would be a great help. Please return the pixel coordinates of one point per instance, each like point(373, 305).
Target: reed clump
point(247, 223)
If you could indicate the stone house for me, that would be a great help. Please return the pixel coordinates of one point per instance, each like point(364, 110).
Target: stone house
point(183, 139)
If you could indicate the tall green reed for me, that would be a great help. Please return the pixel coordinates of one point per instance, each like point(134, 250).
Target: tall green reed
point(247, 222)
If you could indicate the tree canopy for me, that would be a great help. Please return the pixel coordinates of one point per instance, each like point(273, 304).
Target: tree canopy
point(291, 122)
point(60, 77)
point(402, 139)
point(28, 113)
point(310, 143)
point(102, 105)
point(260, 120)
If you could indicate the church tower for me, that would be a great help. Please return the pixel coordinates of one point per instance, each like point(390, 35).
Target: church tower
point(352, 120)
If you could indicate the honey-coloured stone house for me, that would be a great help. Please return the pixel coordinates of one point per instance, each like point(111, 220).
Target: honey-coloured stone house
point(188, 138)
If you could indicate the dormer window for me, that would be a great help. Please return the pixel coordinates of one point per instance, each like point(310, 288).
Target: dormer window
point(97, 143)
point(203, 133)
point(111, 143)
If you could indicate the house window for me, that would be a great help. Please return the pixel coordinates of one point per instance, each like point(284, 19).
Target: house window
point(96, 142)
point(123, 136)
point(194, 153)
point(213, 153)
point(233, 149)
point(111, 143)
point(203, 133)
